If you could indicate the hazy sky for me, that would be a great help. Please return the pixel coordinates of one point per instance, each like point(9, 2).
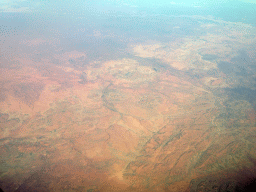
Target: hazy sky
point(61, 10)
point(25, 6)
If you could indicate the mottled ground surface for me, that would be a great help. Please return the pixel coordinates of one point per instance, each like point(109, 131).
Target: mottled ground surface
point(172, 113)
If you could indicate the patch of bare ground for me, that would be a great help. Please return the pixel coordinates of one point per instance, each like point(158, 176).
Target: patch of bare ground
point(120, 125)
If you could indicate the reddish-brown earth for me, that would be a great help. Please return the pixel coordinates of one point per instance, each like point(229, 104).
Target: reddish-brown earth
point(120, 125)
point(149, 131)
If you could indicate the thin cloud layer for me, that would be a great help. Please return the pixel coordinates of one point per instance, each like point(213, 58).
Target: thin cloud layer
point(15, 6)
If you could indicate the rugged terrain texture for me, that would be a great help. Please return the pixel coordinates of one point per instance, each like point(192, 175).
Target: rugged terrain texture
point(174, 116)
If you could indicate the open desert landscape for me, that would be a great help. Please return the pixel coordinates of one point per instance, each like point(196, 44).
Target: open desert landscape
point(128, 102)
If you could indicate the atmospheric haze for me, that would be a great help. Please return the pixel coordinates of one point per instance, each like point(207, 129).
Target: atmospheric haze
point(127, 96)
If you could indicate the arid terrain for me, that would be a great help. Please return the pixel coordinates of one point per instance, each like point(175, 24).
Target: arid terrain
point(170, 115)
